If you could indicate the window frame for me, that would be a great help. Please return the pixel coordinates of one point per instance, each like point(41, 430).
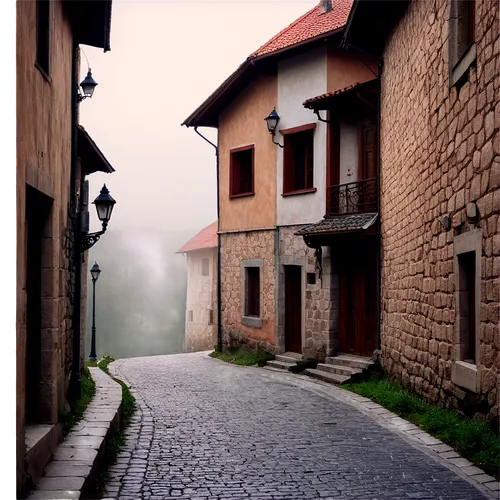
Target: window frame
point(232, 165)
point(247, 320)
point(464, 373)
point(42, 60)
point(289, 160)
point(207, 260)
point(461, 53)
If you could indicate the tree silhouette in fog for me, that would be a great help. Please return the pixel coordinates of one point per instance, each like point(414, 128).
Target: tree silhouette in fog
point(140, 294)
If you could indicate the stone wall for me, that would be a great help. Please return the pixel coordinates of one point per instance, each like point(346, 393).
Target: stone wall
point(317, 306)
point(440, 150)
point(236, 247)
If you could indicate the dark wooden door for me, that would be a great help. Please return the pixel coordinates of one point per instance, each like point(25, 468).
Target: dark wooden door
point(368, 151)
point(293, 309)
point(358, 302)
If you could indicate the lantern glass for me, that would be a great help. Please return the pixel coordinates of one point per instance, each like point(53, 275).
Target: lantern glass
point(104, 204)
point(272, 121)
point(88, 85)
point(95, 272)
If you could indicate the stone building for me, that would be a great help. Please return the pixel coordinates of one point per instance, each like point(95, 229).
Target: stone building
point(439, 194)
point(279, 290)
point(53, 156)
point(200, 332)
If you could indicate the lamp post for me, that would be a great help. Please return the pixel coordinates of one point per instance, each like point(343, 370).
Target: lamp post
point(95, 271)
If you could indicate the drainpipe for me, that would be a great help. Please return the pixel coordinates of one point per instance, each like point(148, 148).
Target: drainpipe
point(75, 381)
point(219, 242)
point(379, 234)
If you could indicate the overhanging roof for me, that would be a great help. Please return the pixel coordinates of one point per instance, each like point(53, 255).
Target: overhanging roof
point(339, 224)
point(91, 156)
point(206, 238)
point(324, 101)
point(312, 28)
point(91, 21)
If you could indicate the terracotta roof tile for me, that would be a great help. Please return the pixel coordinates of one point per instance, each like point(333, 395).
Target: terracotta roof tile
point(310, 103)
point(310, 25)
point(206, 238)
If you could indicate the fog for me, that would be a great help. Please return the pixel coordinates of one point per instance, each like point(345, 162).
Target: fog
point(166, 58)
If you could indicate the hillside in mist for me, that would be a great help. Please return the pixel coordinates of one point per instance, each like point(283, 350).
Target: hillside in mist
point(140, 294)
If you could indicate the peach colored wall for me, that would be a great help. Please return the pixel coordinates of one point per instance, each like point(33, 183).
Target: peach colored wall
point(241, 124)
point(43, 159)
point(345, 68)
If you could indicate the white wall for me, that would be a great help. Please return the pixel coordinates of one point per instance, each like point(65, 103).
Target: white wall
point(200, 295)
point(300, 78)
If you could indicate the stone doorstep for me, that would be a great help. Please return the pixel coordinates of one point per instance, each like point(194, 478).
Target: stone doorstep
point(80, 454)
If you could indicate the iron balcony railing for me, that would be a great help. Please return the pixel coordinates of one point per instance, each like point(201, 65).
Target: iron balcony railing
point(354, 197)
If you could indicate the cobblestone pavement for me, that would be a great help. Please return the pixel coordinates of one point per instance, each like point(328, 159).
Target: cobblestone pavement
point(208, 429)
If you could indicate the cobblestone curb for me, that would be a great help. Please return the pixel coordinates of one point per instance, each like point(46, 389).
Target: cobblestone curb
point(78, 459)
point(410, 432)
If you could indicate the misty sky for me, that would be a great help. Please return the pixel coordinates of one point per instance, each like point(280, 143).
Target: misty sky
point(166, 58)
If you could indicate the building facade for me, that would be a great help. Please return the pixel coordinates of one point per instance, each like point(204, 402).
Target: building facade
point(51, 167)
point(276, 286)
point(200, 332)
point(440, 197)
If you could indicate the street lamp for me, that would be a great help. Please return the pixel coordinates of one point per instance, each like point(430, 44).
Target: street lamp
point(104, 205)
point(272, 122)
point(95, 271)
point(88, 85)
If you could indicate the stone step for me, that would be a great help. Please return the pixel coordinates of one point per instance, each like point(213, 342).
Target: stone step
point(351, 361)
point(290, 354)
point(281, 365)
point(332, 378)
point(286, 359)
point(341, 370)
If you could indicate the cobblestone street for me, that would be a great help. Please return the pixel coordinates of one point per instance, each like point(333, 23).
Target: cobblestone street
point(207, 429)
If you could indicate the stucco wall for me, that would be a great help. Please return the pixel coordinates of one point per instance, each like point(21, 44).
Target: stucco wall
point(300, 78)
point(236, 247)
point(345, 68)
point(242, 124)
point(199, 332)
point(440, 151)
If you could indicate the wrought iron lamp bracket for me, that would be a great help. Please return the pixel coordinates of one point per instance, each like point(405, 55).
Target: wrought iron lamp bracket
point(89, 240)
point(277, 143)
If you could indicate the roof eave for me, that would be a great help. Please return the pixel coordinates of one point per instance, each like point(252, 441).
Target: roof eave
point(202, 116)
point(92, 158)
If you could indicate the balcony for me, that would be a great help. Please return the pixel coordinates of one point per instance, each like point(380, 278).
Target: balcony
point(352, 198)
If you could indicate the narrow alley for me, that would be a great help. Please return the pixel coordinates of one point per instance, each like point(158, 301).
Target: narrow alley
point(205, 429)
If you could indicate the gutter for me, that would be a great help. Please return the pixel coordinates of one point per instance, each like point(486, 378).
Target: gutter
point(219, 284)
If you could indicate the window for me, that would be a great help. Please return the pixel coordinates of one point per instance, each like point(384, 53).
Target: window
point(462, 32)
point(205, 271)
point(298, 160)
point(467, 249)
point(42, 34)
point(252, 305)
point(190, 315)
point(210, 316)
point(241, 182)
point(311, 278)
point(467, 306)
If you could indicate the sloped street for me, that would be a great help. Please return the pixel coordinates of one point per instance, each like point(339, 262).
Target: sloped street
point(207, 429)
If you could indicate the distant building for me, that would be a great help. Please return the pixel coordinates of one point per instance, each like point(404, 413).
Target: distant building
point(201, 301)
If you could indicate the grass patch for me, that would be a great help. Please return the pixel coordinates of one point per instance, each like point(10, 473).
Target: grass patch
point(243, 357)
point(473, 439)
point(69, 419)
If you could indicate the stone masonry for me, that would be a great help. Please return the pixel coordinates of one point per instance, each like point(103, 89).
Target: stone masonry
point(318, 305)
point(236, 247)
point(440, 151)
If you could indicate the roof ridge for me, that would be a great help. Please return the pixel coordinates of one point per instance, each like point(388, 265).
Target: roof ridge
point(283, 31)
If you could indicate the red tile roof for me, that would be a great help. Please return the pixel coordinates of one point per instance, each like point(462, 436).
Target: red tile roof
point(206, 238)
point(310, 103)
point(312, 24)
